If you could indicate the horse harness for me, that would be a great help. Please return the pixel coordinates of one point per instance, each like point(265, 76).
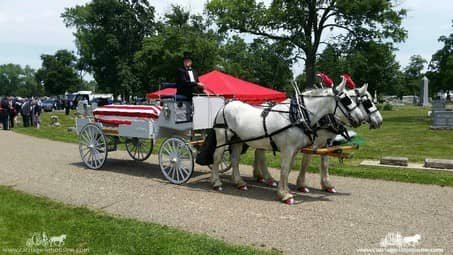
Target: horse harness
point(299, 117)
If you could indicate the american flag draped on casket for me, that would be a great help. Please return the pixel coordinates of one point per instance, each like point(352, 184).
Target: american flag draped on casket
point(124, 114)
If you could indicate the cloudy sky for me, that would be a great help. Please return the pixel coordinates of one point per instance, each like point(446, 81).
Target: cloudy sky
point(31, 28)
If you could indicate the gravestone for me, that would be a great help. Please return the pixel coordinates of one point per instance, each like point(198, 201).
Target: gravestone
point(424, 100)
point(410, 100)
point(442, 120)
point(54, 121)
point(438, 105)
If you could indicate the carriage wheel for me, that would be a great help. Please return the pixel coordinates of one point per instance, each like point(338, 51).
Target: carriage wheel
point(176, 160)
point(225, 164)
point(93, 146)
point(139, 149)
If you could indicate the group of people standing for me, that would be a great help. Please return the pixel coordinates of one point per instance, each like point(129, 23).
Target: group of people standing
point(29, 109)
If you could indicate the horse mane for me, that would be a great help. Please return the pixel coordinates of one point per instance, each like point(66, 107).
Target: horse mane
point(317, 92)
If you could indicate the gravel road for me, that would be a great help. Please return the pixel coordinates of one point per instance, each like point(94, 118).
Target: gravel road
point(358, 217)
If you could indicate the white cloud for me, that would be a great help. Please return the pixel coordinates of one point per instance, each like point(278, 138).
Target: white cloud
point(426, 21)
point(30, 28)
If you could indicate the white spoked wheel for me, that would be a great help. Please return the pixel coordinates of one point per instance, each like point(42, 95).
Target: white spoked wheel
point(92, 146)
point(225, 165)
point(176, 160)
point(139, 149)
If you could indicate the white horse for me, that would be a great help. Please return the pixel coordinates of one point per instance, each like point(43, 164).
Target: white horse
point(242, 123)
point(325, 136)
point(373, 117)
point(57, 240)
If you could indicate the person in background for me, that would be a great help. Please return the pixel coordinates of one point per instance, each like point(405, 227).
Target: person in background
point(5, 112)
point(67, 106)
point(5, 105)
point(35, 113)
point(26, 112)
point(12, 112)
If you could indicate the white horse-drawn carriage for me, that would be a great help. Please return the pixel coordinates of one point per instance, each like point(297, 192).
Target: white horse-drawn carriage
point(288, 127)
point(183, 124)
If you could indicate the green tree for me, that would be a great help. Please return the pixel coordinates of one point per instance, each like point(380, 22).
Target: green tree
point(302, 24)
point(58, 74)
point(108, 35)
point(413, 75)
point(367, 62)
point(441, 66)
point(10, 77)
point(374, 63)
point(162, 53)
point(18, 81)
point(332, 63)
point(260, 61)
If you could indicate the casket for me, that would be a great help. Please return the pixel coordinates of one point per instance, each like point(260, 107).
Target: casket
point(124, 114)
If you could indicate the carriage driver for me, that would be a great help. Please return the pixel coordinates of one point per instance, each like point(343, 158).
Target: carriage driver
point(187, 82)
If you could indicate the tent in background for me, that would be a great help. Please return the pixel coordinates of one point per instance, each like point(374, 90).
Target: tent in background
point(230, 87)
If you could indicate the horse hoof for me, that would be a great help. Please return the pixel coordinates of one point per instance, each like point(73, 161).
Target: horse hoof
point(304, 190)
point(289, 201)
point(331, 190)
point(218, 188)
point(272, 183)
point(243, 188)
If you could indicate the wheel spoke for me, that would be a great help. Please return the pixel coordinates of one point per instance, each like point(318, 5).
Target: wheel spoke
point(166, 150)
point(85, 138)
point(177, 173)
point(185, 170)
point(85, 155)
point(173, 172)
point(134, 149)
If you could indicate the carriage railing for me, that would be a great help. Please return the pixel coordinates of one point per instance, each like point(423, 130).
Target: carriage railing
point(85, 110)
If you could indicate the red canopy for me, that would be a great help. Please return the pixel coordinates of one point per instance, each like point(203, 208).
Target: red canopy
point(161, 93)
point(218, 83)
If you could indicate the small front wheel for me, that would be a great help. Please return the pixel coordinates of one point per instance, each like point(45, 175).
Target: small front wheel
point(176, 160)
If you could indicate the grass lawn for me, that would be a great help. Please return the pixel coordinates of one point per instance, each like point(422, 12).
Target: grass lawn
point(23, 215)
point(405, 133)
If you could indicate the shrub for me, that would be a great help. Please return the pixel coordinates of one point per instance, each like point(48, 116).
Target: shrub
point(387, 107)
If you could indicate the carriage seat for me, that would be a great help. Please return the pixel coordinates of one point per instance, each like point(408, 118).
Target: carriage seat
point(177, 98)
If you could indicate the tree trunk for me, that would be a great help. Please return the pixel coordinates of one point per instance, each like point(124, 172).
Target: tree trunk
point(310, 69)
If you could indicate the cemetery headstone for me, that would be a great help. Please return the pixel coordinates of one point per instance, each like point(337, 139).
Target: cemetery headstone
point(424, 100)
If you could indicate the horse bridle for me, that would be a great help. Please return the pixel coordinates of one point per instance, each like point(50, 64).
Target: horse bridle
point(364, 100)
point(347, 103)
